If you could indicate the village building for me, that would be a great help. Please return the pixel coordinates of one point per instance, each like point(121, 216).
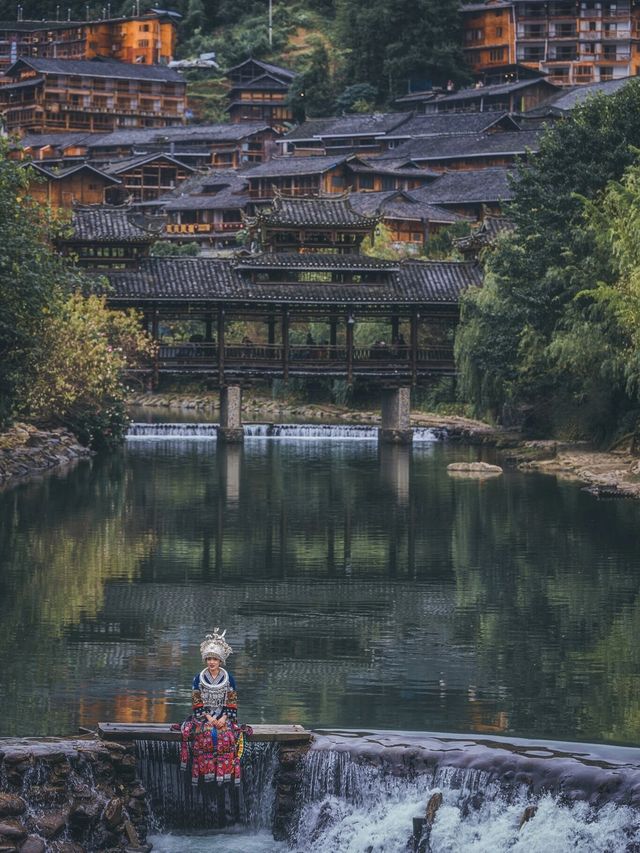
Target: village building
point(258, 91)
point(574, 43)
point(81, 183)
point(146, 177)
point(148, 39)
point(515, 97)
point(108, 237)
point(92, 95)
point(208, 208)
point(327, 223)
point(449, 124)
point(472, 193)
point(466, 151)
point(358, 133)
point(220, 145)
point(409, 220)
point(483, 237)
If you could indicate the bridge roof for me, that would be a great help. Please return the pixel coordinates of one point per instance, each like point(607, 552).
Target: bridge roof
point(175, 280)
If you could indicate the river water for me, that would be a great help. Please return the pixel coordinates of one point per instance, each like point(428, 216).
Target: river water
point(361, 588)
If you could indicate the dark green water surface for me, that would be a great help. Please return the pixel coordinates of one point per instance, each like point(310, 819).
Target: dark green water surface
point(360, 587)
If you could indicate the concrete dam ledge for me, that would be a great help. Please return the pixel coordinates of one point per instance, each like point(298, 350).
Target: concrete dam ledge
point(127, 732)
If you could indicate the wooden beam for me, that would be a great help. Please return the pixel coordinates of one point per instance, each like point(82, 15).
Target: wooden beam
point(124, 732)
point(221, 344)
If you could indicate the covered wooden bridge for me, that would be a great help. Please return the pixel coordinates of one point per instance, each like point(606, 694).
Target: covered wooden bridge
point(414, 303)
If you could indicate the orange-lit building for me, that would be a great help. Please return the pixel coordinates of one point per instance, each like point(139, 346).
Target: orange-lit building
point(573, 42)
point(80, 184)
point(145, 39)
point(92, 95)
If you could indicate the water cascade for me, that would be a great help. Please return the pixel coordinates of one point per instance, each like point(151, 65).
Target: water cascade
point(363, 793)
point(315, 432)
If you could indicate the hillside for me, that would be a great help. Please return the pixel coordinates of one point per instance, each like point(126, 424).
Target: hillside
point(352, 54)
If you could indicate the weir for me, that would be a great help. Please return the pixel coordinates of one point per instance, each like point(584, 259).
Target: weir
point(320, 432)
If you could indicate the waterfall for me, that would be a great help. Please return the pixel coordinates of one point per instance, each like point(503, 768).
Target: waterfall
point(315, 432)
point(363, 793)
point(177, 804)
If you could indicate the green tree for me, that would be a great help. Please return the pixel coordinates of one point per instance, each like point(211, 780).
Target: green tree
point(391, 43)
point(312, 92)
point(532, 341)
point(30, 276)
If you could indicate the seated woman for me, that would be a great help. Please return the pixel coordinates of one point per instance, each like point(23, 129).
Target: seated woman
point(211, 737)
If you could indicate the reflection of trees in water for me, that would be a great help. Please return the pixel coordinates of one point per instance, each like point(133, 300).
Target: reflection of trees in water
point(62, 539)
point(548, 594)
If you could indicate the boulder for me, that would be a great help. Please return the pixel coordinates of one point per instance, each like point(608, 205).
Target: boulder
point(11, 804)
point(33, 844)
point(474, 470)
point(528, 814)
point(51, 824)
point(112, 814)
point(12, 830)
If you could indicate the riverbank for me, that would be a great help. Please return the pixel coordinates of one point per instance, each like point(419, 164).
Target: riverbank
point(604, 474)
point(26, 451)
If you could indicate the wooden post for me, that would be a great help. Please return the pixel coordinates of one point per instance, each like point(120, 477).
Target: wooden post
point(414, 345)
point(333, 331)
point(221, 344)
point(208, 327)
point(350, 325)
point(285, 344)
point(395, 328)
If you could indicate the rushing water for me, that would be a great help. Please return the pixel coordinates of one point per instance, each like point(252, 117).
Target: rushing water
point(361, 587)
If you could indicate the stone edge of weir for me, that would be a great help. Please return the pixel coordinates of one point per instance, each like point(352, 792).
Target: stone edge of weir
point(26, 451)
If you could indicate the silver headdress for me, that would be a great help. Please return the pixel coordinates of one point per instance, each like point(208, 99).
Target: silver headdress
point(215, 645)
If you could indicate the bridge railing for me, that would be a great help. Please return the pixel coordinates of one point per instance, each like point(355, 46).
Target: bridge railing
point(201, 355)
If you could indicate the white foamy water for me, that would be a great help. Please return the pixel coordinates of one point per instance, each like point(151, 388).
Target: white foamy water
point(308, 432)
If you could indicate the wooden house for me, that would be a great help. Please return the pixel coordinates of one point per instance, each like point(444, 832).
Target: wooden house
point(148, 38)
point(146, 177)
point(64, 187)
point(258, 91)
point(573, 43)
point(91, 95)
point(108, 237)
point(473, 193)
point(410, 220)
point(327, 223)
point(208, 208)
point(358, 133)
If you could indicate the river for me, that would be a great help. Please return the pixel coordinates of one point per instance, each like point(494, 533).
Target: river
point(361, 588)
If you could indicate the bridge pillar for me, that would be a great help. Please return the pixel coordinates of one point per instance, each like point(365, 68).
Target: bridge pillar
point(230, 430)
point(396, 408)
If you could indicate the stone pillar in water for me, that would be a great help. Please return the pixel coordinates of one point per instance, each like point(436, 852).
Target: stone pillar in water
point(230, 429)
point(396, 408)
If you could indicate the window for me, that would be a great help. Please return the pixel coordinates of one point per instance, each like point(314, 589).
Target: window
point(143, 43)
point(496, 55)
point(366, 182)
point(144, 28)
point(498, 32)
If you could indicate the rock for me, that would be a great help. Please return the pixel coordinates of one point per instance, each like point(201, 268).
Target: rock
point(12, 829)
point(11, 804)
point(528, 814)
point(84, 814)
point(51, 824)
point(33, 844)
point(435, 801)
point(112, 814)
point(473, 470)
point(67, 847)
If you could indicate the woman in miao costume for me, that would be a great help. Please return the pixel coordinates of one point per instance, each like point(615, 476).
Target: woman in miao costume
point(211, 737)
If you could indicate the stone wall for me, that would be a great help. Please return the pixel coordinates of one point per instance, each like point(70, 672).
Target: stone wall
point(26, 450)
point(70, 796)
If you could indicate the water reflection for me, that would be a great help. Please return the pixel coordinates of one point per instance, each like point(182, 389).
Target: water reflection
point(361, 586)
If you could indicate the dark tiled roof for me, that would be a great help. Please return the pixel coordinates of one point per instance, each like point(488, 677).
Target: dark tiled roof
point(185, 133)
point(473, 186)
point(55, 140)
point(368, 124)
point(226, 199)
point(284, 166)
point(202, 279)
point(106, 224)
point(57, 174)
point(101, 68)
point(126, 163)
point(193, 194)
point(278, 70)
point(264, 83)
point(467, 145)
point(568, 99)
point(486, 233)
point(493, 91)
point(402, 204)
point(320, 261)
point(314, 211)
point(449, 124)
